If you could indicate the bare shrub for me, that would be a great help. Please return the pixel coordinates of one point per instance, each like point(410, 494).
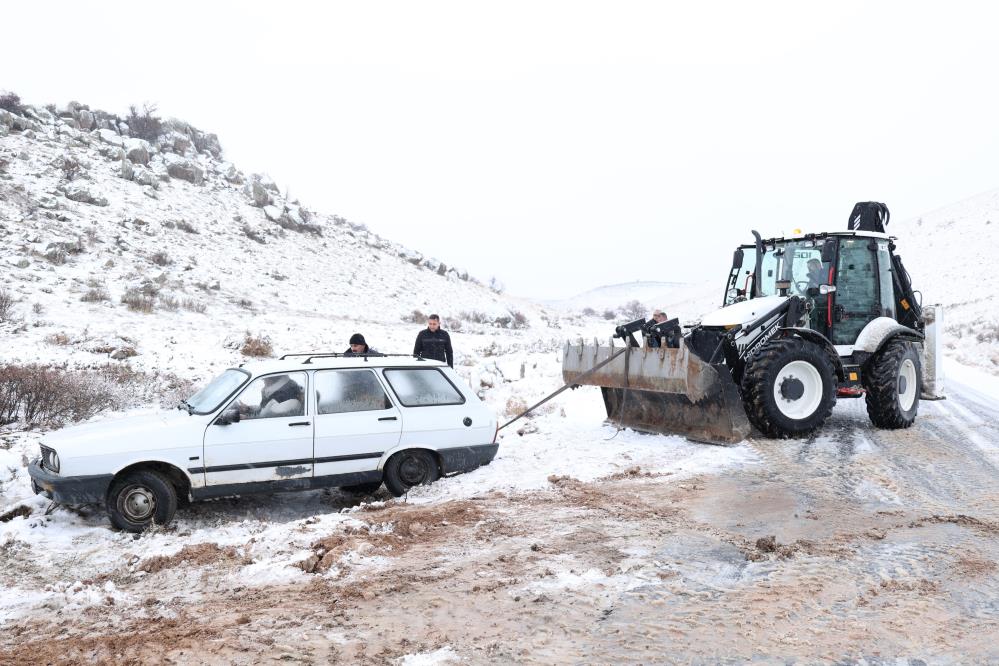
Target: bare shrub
point(38, 308)
point(589, 312)
point(454, 324)
point(161, 258)
point(11, 102)
point(23, 263)
point(415, 317)
point(138, 301)
point(474, 316)
point(186, 226)
point(514, 406)
point(259, 345)
point(61, 339)
point(168, 302)
point(7, 302)
point(503, 321)
point(194, 305)
point(143, 124)
point(519, 319)
point(633, 309)
point(245, 303)
point(41, 394)
point(70, 167)
point(96, 294)
point(253, 235)
point(609, 314)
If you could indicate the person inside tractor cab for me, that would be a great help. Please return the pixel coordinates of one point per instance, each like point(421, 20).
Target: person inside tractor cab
point(816, 275)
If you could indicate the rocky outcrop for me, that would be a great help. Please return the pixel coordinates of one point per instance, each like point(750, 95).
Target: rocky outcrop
point(184, 169)
point(84, 194)
point(137, 151)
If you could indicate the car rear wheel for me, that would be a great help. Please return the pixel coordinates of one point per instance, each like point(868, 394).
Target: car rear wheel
point(413, 467)
point(139, 499)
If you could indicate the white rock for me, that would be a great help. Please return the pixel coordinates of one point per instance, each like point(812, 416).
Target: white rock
point(111, 137)
point(273, 213)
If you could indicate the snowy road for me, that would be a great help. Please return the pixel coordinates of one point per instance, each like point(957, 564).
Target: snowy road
point(856, 544)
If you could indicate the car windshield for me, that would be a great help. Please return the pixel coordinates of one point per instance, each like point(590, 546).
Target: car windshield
point(797, 261)
point(210, 397)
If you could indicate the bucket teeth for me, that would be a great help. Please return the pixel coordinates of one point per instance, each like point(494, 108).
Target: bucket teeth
point(662, 390)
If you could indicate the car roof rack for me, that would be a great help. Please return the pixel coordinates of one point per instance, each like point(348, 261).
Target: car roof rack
point(312, 355)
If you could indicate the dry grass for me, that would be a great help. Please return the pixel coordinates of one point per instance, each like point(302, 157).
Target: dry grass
point(257, 346)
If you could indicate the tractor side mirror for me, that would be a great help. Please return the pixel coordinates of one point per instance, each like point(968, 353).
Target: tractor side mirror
point(826, 289)
point(229, 416)
point(737, 259)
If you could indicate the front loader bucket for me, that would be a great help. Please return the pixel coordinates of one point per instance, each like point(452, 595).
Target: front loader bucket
point(662, 390)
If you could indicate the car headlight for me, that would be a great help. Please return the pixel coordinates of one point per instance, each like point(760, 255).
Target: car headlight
point(50, 459)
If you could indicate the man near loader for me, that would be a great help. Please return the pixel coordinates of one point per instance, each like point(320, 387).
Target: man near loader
point(658, 317)
point(434, 342)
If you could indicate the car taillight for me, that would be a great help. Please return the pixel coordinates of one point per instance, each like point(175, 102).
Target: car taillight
point(50, 459)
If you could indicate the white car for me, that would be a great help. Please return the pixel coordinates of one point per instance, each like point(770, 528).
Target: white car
point(304, 421)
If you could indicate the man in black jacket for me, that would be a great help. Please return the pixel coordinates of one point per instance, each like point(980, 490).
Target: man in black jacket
point(434, 342)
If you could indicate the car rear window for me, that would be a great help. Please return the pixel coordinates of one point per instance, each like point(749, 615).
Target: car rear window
point(422, 387)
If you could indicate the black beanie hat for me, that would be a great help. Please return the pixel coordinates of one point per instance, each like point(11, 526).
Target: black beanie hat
point(357, 339)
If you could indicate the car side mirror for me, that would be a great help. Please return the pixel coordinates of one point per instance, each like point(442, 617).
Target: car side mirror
point(826, 289)
point(229, 416)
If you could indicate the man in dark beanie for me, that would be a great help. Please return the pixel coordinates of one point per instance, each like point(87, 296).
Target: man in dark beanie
point(358, 347)
point(434, 342)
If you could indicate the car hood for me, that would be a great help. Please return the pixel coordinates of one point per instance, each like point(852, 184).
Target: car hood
point(134, 432)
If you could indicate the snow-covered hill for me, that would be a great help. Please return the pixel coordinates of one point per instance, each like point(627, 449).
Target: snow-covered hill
point(114, 245)
point(951, 254)
point(680, 299)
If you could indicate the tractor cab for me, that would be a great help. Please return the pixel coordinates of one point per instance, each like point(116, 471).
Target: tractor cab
point(846, 280)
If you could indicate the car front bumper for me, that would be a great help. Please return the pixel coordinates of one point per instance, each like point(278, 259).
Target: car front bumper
point(69, 489)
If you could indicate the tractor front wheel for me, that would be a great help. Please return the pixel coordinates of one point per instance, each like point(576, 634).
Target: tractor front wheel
point(789, 388)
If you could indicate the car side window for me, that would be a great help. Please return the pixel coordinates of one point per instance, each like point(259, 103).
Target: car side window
point(340, 391)
point(419, 387)
point(273, 396)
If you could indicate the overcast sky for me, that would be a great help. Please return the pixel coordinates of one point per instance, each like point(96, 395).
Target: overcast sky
point(557, 146)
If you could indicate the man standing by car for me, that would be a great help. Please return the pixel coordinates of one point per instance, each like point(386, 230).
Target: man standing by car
point(434, 342)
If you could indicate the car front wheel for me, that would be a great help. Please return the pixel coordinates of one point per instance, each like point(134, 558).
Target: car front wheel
point(406, 469)
point(139, 499)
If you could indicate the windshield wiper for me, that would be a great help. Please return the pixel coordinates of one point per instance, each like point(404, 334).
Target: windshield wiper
point(183, 405)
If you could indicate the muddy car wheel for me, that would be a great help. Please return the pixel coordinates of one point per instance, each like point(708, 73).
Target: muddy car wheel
point(893, 383)
point(410, 468)
point(139, 499)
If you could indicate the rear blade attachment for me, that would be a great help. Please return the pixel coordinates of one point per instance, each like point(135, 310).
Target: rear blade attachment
point(662, 390)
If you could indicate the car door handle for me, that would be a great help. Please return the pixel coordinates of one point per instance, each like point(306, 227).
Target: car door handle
point(299, 423)
point(388, 418)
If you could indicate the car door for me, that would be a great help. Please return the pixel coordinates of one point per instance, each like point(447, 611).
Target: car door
point(355, 421)
point(272, 441)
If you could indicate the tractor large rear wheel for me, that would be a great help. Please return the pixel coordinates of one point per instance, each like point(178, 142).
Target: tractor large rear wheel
point(893, 381)
point(789, 388)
